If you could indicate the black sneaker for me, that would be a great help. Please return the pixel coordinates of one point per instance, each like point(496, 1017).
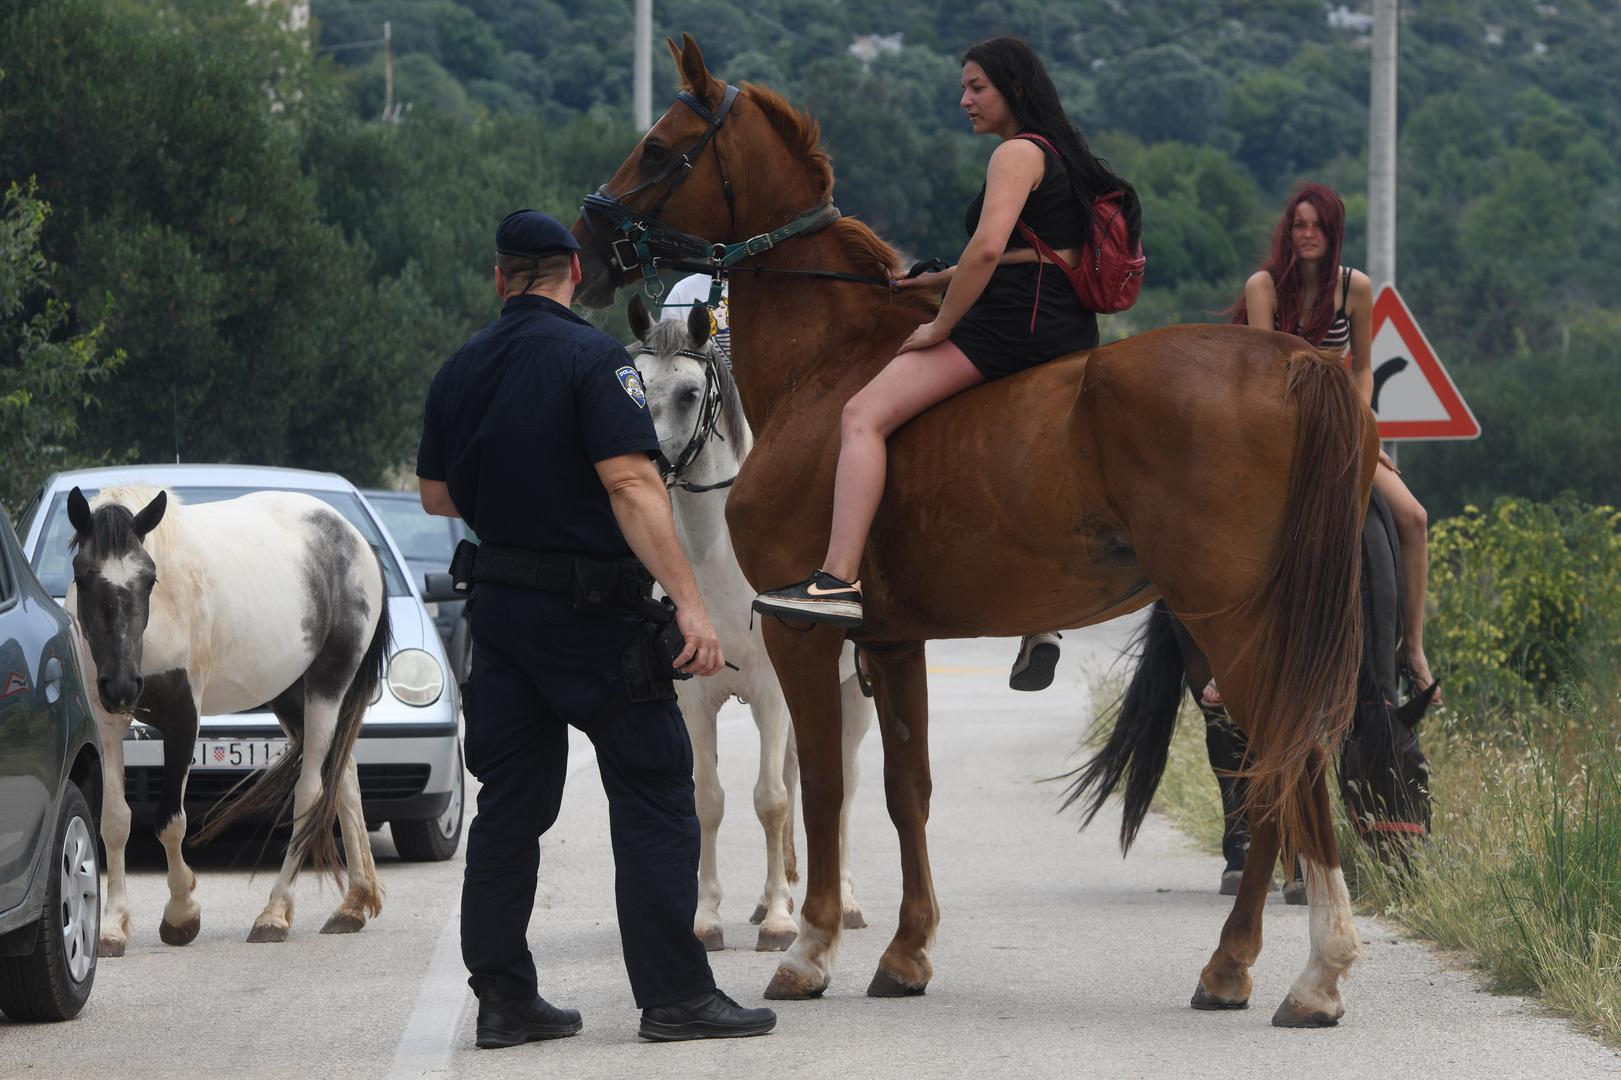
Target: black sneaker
point(504, 1021)
point(713, 1016)
point(1033, 668)
point(819, 598)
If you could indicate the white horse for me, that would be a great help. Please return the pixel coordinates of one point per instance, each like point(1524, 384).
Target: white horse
point(704, 436)
point(218, 608)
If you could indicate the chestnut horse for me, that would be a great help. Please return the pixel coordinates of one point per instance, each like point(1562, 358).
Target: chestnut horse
point(1221, 468)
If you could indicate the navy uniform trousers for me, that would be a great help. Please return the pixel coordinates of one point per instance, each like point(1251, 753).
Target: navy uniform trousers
point(538, 667)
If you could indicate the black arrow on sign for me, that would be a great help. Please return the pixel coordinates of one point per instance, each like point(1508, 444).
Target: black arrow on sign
point(1382, 374)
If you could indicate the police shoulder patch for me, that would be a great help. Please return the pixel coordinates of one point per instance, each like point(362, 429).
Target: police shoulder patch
point(632, 382)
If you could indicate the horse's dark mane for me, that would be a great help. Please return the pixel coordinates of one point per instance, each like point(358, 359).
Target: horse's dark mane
point(112, 529)
point(669, 336)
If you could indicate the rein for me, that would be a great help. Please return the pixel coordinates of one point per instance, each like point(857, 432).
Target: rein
point(703, 429)
point(650, 245)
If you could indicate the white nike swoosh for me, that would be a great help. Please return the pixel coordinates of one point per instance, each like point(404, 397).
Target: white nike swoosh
point(816, 590)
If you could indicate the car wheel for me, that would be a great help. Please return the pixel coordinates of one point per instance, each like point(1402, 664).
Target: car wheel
point(434, 839)
point(53, 982)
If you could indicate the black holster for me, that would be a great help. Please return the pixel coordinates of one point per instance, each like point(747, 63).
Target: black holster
point(461, 565)
point(649, 662)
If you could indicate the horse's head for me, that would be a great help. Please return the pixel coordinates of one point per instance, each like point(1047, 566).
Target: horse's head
point(1385, 779)
point(690, 393)
point(113, 578)
point(714, 168)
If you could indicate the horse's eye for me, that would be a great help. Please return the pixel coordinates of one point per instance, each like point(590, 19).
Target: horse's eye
point(151, 585)
point(690, 396)
point(654, 154)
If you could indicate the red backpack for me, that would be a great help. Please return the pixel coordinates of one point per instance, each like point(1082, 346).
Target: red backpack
point(1111, 279)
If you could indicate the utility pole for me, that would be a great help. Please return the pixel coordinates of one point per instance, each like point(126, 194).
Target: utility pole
point(1382, 146)
point(642, 48)
point(388, 73)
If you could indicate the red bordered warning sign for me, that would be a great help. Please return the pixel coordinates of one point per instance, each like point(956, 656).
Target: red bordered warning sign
point(1413, 396)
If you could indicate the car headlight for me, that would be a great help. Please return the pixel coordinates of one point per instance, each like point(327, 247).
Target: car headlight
point(415, 677)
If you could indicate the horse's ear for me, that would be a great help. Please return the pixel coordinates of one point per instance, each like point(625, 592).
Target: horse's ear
point(640, 321)
point(689, 60)
point(1413, 711)
point(79, 512)
point(698, 325)
point(148, 518)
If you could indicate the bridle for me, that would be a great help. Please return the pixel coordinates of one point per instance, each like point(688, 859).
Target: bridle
point(647, 244)
point(703, 429)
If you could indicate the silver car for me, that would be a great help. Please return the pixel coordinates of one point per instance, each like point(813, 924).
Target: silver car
point(409, 750)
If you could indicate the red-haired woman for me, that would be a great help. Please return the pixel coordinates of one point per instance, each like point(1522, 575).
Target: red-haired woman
point(1303, 289)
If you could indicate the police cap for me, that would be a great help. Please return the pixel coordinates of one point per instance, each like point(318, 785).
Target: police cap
point(533, 234)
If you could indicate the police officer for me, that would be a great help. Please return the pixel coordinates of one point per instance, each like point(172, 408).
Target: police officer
point(537, 434)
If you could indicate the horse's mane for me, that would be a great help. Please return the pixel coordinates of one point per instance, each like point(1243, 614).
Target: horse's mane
point(803, 134)
point(113, 520)
point(667, 337)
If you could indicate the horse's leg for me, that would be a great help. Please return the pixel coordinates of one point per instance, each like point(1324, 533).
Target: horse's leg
point(364, 899)
point(857, 719)
point(790, 783)
point(114, 831)
point(320, 721)
point(1314, 1000)
point(807, 665)
point(777, 930)
point(903, 718)
point(182, 915)
point(711, 803)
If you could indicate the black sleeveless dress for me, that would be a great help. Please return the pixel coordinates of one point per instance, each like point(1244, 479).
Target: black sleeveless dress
point(997, 333)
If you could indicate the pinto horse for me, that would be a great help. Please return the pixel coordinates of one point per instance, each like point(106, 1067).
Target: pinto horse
point(1220, 468)
point(705, 438)
point(218, 608)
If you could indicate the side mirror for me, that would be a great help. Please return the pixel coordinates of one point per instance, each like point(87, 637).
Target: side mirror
point(440, 588)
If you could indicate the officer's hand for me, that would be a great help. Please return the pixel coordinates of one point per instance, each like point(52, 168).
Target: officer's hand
point(702, 656)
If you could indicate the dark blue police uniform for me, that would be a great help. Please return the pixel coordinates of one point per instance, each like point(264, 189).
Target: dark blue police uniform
point(515, 422)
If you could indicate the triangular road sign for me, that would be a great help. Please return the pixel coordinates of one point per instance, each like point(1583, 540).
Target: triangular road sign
point(1413, 396)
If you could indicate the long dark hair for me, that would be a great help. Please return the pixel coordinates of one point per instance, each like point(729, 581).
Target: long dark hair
point(1284, 264)
point(1020, 77)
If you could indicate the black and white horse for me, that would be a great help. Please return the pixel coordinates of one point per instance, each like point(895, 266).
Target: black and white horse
point(219, 608)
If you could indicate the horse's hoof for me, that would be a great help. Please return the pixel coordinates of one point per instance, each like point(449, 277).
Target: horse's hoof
point(184, 934)
point(714, 939)
point(886, 984)
point(789, 985)
point(110, 947)
point(775, 940)
point(1203, 999)
point(759, 915)
point(1230, 880)
point(1295, 893)
point(854, 921)
point(1292, 1014)
point(342, 922)
point(265, 933)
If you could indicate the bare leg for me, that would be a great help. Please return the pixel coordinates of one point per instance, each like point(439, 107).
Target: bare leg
point(857, 719)
point(1412, 527)
point(777, 930)
point(114, 832)
point(909, 384)
point(711, 803)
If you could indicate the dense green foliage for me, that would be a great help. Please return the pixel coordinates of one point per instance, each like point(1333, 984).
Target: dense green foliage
point(284, 272)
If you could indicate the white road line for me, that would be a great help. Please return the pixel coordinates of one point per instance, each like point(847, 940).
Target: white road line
point(430, 1031)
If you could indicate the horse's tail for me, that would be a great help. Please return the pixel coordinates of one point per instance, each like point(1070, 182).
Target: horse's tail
point(1140, 740)
point(314, 837)
point(1307, 645)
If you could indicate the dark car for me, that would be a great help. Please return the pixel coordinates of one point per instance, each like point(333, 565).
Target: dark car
point(427, 542)
point(50, 803)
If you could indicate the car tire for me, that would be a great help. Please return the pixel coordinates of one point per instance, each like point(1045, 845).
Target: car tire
point(53, 982)
point(434, 839)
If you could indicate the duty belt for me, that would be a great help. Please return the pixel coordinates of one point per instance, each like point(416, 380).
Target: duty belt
point(591, 582)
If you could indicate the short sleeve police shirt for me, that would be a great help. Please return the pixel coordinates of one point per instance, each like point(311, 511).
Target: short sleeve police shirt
point(517, 420)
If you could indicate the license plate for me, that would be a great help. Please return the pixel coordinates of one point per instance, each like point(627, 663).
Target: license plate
point(237, 753)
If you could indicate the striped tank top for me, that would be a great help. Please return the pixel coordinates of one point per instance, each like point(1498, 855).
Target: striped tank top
point(1338, 336)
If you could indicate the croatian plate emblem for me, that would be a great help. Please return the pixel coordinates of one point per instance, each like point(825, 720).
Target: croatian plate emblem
point(632, 382)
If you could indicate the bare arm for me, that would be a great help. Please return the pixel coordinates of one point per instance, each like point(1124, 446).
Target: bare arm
point(436, 498)
point(1261, 301)
point(641, 506)
point(1359, 305)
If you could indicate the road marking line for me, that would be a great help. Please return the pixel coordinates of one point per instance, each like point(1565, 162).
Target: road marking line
point(429, 1037)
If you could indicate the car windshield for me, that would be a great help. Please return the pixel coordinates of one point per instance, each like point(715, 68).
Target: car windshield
point(53, 562)
point(419, 534)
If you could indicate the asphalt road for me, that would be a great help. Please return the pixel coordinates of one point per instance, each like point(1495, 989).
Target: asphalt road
point(1055, 957)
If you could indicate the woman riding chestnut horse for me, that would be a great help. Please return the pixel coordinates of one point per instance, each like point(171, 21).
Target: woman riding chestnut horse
point(1220, 468)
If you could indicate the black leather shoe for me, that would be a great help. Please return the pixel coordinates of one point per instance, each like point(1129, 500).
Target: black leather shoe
point(504, 1021)
point(713, 1016)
